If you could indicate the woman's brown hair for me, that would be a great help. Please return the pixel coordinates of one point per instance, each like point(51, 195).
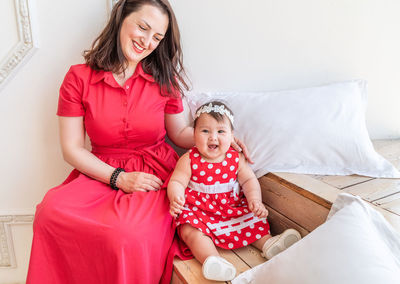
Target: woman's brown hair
point(164, 63)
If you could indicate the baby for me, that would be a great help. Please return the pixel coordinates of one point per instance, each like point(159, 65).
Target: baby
point(216, 197)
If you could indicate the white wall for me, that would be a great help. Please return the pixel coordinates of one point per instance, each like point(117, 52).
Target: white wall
point(228, 45)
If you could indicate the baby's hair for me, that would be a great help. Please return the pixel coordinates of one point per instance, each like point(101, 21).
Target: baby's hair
point(216, 115)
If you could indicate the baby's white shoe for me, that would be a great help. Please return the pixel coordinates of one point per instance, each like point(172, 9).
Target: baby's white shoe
point(279, 243)
point(218, 268)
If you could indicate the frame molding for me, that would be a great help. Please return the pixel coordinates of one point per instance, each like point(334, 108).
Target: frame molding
point(27, 44)
point(7, 252)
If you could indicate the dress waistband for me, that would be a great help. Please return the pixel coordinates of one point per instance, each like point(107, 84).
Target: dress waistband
point(124, 149)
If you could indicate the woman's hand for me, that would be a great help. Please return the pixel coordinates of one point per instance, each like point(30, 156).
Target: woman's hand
point(240, 147)
point(130, 182)
point(258, 208)
point(176, 205)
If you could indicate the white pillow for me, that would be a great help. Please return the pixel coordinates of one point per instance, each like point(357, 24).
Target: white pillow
point(319, 130)
point(355, 245)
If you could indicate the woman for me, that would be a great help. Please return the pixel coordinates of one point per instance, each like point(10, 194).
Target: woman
point(109, 221)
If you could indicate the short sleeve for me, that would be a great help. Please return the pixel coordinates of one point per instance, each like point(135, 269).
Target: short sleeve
point(70, 97)
point(174, 105)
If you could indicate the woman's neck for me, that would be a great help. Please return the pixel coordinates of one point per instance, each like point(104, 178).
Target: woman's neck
point(125, 75)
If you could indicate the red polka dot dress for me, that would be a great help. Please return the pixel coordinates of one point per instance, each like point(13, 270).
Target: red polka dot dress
point(216, 206)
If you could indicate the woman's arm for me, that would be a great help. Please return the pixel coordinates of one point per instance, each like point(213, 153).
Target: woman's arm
point(179, 131)
point(72, 138)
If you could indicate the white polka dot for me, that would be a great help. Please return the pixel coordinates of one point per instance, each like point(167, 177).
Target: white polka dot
point(207, 230)
point(239, 212)
point(232, 180)
point(224, 163)
point(194, 177)
point(198, 202)
point(202, 160)
point(202, 173)
point(204, 200)
point(232, 168)
point(217, 182)
point(230, 211)
point(261, 228)
point(184, 215)
point(251, 226)
point(222, 240)
point(236, 238)
point(216, 196)
point(214, 203)
point(221, 207)
point(223, 201)
point(229, 155)
point(203, 213)
point(208, 224)
point(195, 221)
point(239, 231)
point(230, 245)
point(237, 160)
point(265, 221)
point(246, 211)
point(210, 166)
point(224, 175)
point(258, 236)
point(228, 234)
point(248, 234)
point(200, 230)
point(195, 166)
point(218, 213)
point(195, 155)
point(217, 171)
point(207, 196)
point(190, 214)
point(210, 206)
point(194, 208)
point(212, 218)
point(245, 243)
point(216, 241)
point(209, 178)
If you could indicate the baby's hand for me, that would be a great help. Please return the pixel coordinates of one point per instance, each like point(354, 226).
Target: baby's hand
point(258, 208)
point(176, 206)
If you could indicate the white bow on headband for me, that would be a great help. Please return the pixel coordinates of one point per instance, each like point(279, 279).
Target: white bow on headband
point(215, 108)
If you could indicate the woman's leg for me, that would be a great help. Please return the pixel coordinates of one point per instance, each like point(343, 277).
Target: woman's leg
point(200, 244)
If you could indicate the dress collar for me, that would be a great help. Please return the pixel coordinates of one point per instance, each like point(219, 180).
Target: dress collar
point(107, 76)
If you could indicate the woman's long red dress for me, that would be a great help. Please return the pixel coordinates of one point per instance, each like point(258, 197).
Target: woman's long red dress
point(85, 232)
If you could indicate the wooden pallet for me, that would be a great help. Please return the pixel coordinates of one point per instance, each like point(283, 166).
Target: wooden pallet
point(303, 202)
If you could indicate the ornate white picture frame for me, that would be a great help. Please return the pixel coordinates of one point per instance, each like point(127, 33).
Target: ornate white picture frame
point(26, 45)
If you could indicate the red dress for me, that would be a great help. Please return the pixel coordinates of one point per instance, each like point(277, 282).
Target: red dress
point(216, 206)
point(85, 232)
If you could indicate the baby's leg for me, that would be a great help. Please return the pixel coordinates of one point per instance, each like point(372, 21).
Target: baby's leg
point(214, 266)
point(271, 246)
point(200, 244)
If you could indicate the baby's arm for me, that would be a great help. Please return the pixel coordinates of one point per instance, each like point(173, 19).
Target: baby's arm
point(177, 185)
point(251, 188)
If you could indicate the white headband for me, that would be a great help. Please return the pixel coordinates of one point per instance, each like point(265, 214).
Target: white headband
point(215, 108)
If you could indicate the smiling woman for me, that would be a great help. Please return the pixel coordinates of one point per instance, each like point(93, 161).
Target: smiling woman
point(108, 222)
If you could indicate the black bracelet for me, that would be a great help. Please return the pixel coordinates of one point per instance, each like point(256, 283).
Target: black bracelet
point(114, 176)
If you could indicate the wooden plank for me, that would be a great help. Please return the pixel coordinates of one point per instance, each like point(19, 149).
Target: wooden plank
point(309, 187)
point(233, 258)
point(341, 181)
point(278, 223)
point(250, 255)
point(297, 204)
point(375, 189)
